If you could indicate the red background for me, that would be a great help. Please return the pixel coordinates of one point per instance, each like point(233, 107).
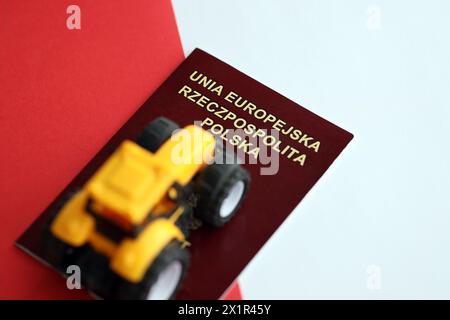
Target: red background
point(63, 93)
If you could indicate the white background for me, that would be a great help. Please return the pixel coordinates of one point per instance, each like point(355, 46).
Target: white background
point(381, 70)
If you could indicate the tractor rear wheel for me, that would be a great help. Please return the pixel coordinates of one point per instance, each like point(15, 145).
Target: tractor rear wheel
point(156, 133)
point(220, 189)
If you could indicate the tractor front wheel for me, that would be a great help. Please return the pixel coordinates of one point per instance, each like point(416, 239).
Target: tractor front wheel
point(58, 253)
point(162, 279)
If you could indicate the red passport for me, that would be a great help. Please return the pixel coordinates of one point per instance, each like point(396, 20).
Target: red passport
point(285, 147)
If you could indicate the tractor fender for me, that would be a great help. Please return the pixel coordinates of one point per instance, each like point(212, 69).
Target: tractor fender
point(134, 256)
point(72, 224)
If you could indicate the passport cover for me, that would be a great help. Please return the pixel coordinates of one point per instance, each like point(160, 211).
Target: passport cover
point(302, 145)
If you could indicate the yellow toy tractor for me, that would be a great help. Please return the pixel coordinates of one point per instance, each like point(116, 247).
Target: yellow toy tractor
point(127, 227)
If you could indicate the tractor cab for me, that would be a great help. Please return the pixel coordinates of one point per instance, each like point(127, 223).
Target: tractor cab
point(127, 186)
point(133, 181)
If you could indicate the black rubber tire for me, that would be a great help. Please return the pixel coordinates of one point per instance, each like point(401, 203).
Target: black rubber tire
point(56, 252)
point(97, 275)
point(156, 133)
point(213, 186)
point(130, 291)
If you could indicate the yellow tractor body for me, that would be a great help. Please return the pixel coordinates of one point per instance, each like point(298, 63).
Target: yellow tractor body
point(134, 190)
